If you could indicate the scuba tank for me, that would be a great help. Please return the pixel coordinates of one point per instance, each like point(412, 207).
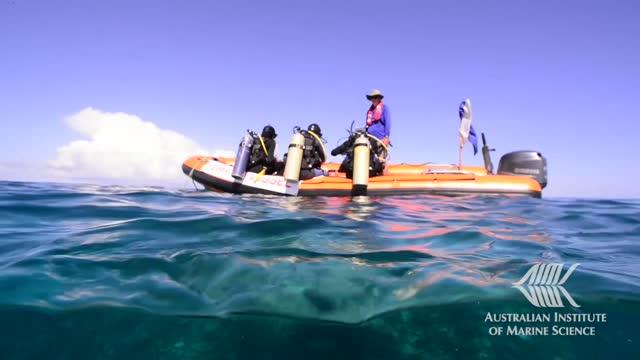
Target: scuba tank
point(242, 157)
point(486, 156)
point(294, 157)
point(361, 155)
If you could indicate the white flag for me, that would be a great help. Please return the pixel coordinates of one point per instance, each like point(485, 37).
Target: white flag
point(465, 121)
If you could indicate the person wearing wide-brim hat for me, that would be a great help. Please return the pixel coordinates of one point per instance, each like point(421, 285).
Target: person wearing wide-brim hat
point(375, 93)
point(379, 120)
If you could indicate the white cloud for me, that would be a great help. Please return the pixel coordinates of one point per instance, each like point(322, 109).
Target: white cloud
point(122, 146)
point(224, 153)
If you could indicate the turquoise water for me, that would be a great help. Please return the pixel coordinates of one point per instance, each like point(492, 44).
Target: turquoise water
point(124, 273)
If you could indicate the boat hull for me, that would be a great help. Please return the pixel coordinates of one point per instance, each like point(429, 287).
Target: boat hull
point(214, 174)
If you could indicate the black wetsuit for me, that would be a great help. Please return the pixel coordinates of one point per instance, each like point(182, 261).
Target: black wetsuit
point(312, 157)
point(376, 167)
point(260, 159)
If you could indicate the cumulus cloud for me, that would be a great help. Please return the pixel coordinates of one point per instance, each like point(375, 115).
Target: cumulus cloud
point(123, 146)
point(224, 153)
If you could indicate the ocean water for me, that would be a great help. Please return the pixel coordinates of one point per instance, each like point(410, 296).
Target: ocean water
point(94, 272)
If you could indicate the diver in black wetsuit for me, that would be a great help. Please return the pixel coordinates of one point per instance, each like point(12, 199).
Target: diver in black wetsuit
point(313, 155)
point(376, 166)
point(262, 152)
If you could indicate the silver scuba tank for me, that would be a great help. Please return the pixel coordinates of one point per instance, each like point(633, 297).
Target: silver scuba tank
point(294, 157)
point(361, 157)
point(242, 157)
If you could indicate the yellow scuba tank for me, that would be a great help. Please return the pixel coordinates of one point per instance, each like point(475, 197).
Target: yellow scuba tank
point(361, 158)
point(294, 157)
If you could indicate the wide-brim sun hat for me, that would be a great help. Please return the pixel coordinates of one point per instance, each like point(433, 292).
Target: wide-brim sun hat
point(374, 93)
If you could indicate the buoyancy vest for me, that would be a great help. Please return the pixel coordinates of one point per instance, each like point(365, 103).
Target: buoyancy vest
point(259, 152)
point(310, 156)
point(376, 167)
point(374, 114)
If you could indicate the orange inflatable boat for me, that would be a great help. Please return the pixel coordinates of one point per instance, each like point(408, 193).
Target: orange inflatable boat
point(519, 173)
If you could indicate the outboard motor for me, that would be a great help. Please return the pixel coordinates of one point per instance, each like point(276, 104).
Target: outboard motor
point(294, 157)
point(530, 163)
point(361, 155)
point(243, 156)
point(486, 156)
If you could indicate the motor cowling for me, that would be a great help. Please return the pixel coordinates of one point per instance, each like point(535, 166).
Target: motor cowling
point(527, 163)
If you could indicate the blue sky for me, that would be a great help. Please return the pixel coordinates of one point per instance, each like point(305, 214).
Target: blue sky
point(558, 77)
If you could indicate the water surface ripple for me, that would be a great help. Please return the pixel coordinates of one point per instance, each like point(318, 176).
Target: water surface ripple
point(414, 274)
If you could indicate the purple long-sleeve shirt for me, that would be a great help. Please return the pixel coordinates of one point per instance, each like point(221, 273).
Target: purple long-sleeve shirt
point(381, 128)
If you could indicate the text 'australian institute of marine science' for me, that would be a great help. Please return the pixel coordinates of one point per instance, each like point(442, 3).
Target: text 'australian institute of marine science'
point(544, 324)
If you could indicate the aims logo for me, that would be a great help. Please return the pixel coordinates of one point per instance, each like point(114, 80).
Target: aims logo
point(544, 286)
